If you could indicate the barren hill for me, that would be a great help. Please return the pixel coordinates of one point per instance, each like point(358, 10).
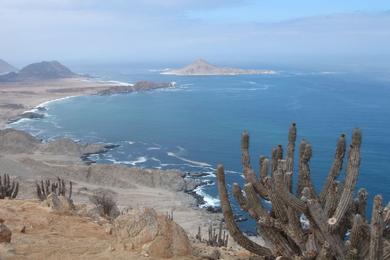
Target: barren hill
point(6, 67)
point(44, 70)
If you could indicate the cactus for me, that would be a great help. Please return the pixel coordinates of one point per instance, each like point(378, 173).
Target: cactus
point(216, 240)
point(44, 188)
point(331, 214)
point(8, 189)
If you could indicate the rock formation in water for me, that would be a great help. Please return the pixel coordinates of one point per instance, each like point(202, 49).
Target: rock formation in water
point(139, 86)
point(305, 223)
point(201, 67)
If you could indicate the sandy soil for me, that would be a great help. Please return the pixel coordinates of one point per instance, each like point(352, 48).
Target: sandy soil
point(17, 97)
point(49, 235)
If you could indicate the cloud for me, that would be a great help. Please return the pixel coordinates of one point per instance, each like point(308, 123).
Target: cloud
point(157, 30)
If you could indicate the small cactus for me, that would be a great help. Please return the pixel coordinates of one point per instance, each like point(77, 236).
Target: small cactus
point(8, 189)
point(58, 187)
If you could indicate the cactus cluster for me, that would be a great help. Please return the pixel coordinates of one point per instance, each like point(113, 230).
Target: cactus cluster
point(8, 189)
point(58, 187)
point(304, 223)
point(215, 239)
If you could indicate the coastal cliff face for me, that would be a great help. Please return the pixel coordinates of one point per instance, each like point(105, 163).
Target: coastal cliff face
point(203, 68)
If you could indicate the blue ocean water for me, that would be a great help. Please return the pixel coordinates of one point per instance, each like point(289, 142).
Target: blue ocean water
point(198, 124)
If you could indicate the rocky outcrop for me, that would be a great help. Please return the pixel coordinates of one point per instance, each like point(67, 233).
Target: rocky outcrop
point(139, 86)
point(5, 233)
point(154, 234)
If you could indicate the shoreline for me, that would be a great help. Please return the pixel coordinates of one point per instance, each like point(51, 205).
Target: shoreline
point(24, 97)
point(20, 100)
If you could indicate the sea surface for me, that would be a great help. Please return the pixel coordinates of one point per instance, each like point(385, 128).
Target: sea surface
point(197, 125)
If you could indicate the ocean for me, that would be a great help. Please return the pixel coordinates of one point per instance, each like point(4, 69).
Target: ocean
point(197, 125)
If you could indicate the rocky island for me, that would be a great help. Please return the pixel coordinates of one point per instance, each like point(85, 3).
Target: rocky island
point(203, 68)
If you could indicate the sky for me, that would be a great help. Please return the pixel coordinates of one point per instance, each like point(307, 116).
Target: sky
point(179, 31)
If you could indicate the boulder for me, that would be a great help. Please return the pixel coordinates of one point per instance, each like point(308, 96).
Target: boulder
point(154, 234)
point(5, 233)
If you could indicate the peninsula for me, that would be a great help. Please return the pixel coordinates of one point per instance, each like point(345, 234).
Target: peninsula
point(21, 92)
point(202, 68)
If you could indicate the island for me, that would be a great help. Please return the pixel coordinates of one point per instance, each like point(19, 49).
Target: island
point(202, 68)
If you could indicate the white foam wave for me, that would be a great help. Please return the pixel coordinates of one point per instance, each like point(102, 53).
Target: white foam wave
point(203, 164)
point(209, 200)
point(130, 142)
point(140, 159)
point(153, 148)
point(159, 70)
point(47, 103)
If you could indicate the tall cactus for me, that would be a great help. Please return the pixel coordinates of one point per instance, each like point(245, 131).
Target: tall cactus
point(331, 213)
point(8, 189)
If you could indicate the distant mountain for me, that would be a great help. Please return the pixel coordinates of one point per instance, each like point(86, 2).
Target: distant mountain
point(201, 67)
point(44, 70)
point(6, 67)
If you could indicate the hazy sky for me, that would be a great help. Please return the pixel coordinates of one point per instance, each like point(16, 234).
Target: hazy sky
point(182, 30)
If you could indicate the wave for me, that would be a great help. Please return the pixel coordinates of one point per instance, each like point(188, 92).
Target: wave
point(139, 160)
point(153, 148)
point(47, 103)
point(159, 70)
point(203, 164)
point(210, 201)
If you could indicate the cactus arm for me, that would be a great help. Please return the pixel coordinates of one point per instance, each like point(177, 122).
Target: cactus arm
point(15, 191)
point(278, 206)
point(318, 216)
point(376, 234)
point(350, 181)
point(263, 166)
point(332, 199)
point(288, 198)
point(335, 169)
point(227, 211)
point(304, 180)
point(240, 198)
point(292, 137)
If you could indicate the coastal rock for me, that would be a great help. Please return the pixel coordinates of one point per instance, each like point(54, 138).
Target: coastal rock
point(125, 177)
point(191, 184)
point(5, 233)
point(67, 146)
point(139, 86)
point(154, 234)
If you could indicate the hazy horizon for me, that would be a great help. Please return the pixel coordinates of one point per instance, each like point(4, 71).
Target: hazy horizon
point(245, 32)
